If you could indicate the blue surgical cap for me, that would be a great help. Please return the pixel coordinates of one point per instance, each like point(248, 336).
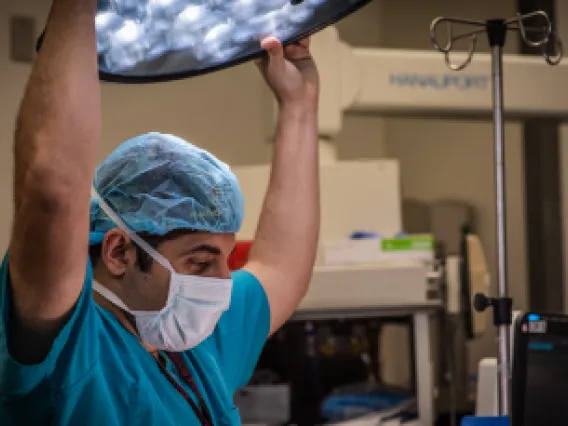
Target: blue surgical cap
point(160, 183)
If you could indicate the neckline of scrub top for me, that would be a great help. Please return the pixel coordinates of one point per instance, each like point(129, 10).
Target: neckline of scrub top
point(202, 412)
point(123, 320)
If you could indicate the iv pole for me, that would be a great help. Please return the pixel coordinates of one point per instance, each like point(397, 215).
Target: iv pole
point(496, 31)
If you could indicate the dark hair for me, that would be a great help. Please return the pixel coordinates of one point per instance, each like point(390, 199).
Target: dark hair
point(143, 259)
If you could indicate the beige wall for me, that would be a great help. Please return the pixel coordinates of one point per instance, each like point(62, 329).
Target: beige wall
point(211, 111)
point(454, 159)
point(411, 29)
point(562, 16)
point(439, 159)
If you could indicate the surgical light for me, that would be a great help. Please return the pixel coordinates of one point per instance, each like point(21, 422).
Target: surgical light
point(142, 41)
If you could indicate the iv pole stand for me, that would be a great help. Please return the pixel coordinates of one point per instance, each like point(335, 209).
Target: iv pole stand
point(496, 31)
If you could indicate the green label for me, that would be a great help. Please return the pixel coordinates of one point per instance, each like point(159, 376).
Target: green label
point(412, 243)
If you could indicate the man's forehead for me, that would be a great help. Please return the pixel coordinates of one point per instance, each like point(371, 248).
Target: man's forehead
point(205, 242)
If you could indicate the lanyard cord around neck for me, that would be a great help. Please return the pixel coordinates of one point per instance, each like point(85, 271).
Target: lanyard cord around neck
point(202, 412)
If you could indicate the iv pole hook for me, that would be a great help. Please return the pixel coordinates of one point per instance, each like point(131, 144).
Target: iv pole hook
point(496, 30)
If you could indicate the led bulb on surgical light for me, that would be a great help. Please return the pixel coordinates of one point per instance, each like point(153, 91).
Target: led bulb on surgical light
point(130, 9)
point(129, 33)
point(165, 9)
point(216, 40)
point(192, 14)
point(243, 9)
point(106, 23)
point(160, 40)
point(126, 47)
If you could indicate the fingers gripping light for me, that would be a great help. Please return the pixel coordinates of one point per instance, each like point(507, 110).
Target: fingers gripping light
point(158, 40)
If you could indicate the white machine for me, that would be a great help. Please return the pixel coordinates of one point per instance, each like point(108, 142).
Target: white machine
point(379, 210)
point(487, 400)
point(415, 83)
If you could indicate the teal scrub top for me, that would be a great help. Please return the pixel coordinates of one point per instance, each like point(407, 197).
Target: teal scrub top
point(98, 374)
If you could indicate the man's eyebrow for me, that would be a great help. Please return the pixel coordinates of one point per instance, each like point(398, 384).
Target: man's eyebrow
point(204, 248)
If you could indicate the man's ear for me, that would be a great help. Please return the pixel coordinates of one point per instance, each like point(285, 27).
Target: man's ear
point(118, 252)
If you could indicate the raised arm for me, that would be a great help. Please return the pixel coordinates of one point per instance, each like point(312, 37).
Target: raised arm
point(55, 144)
point(284, 250)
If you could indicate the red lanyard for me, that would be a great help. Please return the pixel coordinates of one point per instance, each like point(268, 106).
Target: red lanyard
point(202, 412)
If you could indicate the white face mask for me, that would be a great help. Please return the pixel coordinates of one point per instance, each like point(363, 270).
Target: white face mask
point(192, 310)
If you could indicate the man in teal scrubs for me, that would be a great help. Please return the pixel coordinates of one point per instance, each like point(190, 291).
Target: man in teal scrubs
point(117, 305)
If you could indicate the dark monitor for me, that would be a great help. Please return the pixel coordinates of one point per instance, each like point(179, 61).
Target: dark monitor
point(540, 371)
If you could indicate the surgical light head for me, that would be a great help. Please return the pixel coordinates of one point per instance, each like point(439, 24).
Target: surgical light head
point(159, 40)
point(160, 183)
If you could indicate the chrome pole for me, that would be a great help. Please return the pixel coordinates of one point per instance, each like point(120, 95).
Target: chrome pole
point(496, 30)
point(503, 360)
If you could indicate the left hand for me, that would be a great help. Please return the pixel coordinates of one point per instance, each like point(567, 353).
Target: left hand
point(290, 72)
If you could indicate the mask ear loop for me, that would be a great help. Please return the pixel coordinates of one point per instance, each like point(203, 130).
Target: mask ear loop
point(133, 236)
